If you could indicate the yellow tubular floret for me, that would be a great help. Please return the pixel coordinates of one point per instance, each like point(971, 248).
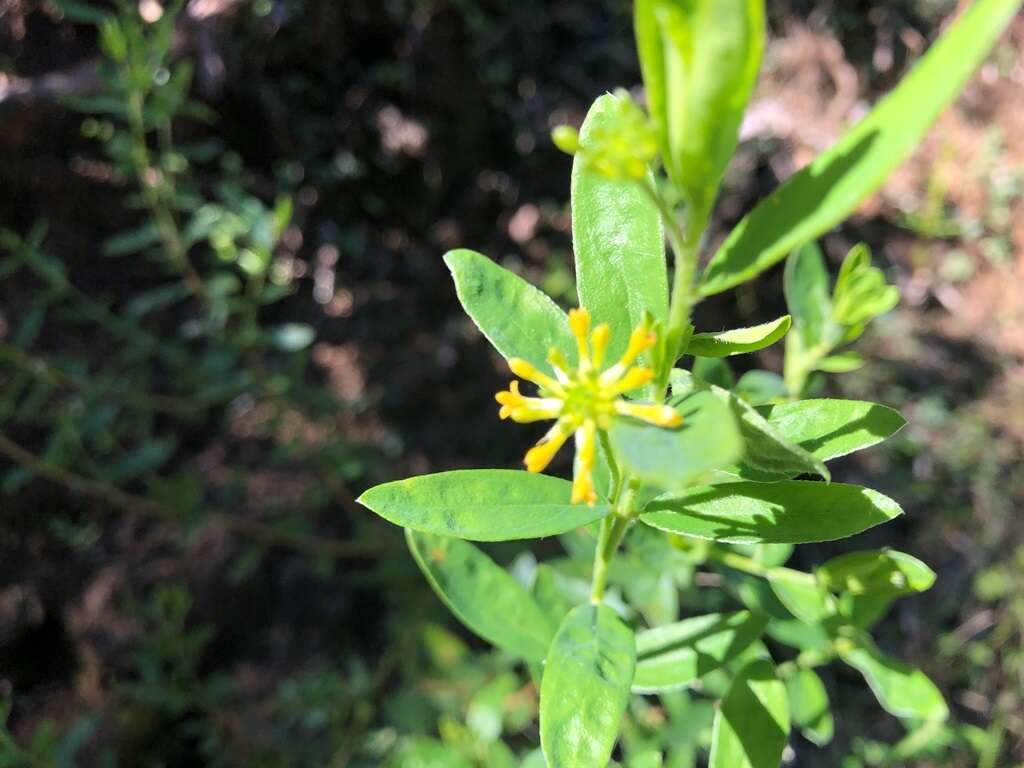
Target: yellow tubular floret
point(538, 457)
point(526, 370)
point(579, 324)
point(586, 448)
point(559, 364)
point(582, 399)
point(640, 340)
point(633, 379)
point(652, 413)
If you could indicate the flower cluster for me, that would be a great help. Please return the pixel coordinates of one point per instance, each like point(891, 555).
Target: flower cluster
point(583, 400)
point(621, 146)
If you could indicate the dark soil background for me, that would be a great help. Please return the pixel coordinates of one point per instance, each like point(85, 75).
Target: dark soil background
point(406, 129)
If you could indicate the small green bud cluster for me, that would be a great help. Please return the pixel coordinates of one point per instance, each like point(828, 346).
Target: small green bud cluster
point(620, 148)
point(861, 293)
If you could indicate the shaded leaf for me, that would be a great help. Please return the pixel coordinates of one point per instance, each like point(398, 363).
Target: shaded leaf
point(708, 439)
point(752, 726)
point(788, 512)
point(676, 655)
point(482, 595)
point(801, 594)
point(828, 429)
point(809, 708)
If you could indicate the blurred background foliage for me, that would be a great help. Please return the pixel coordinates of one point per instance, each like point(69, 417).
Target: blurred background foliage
point(223, 314)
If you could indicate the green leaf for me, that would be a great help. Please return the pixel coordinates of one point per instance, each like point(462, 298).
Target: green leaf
point(761, 387)
point(830, 188)
point(713, 370)
point(739, 341)
point(549, 595)
point(650, 758)
point(902, 690)
point(861, 611)
point(131, 241)
point(482, 595)
point(673, 458)
point(423, 752)
point(619, 245)
point(482, 504)
point(752, 726)
point(828, 429)
point(801, 594)
point(844, 362)
point(518, 319)
point(678, 654)
point(700, 61)
point(796, 634)
point(808, 297)
point(878, 572)
point(808, 706)
point(787, 512)
point(585, 689)
point(767, 453)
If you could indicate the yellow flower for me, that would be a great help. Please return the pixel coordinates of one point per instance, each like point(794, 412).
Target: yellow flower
point(583, 401)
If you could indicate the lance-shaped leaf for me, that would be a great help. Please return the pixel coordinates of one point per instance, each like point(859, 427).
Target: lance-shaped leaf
point(708, 439)
point(808, 705)
point(788, 512)
point(583, 695)
point(828, 429)
point(518, 319)
point(482, 504)
point(482, 595)
point(752, 725)
point(830, 188)
point(677, 655)
point(619, 245)
point(767, 453)
point(740, 340)
point(902, 690)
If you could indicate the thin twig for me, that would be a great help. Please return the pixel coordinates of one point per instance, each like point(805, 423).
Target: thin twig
point(140, 505)
point(143, 401)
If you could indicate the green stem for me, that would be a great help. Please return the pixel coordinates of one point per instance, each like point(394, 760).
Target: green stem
point(736, 561)
point(613, 530)
point(685, 244)
point(613, 465)
point(151, 181)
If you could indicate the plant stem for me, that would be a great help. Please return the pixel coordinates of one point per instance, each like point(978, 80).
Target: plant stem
point(149, 178)
point(613, 465)
point(139, 505)
point(613, 530)
point(736, 561)
point(685, 243)
point(139, 400)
